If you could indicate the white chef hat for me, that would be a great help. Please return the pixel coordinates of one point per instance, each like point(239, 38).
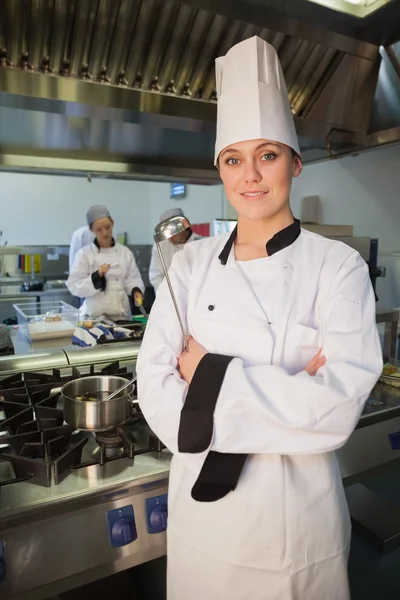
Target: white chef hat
point(172, 212)
point(252, 97)
point(97, 212)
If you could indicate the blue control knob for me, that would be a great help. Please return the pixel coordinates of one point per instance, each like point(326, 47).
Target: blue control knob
point(157, 514)
point(122, 532)
point(121, 526)
point(159, 518)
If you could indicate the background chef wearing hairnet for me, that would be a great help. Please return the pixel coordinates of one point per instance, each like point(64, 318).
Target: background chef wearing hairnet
point(169, 248)
point(283, 355)
point(104, 272)
point(80, 238)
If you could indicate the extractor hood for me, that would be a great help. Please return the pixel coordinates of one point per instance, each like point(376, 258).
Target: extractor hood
point(126, 88)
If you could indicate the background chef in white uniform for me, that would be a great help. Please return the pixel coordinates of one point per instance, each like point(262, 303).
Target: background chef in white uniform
point(169, 247)
point(104, 272)
point(80, 238)
point(254, 411)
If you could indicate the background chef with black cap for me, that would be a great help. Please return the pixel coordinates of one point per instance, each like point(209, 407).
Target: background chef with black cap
point(169, 247)
point(282, 356)
point(104, 272)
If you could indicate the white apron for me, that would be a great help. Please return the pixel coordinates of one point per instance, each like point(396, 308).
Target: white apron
point(121, 278)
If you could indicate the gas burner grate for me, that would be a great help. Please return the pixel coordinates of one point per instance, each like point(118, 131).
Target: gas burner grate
point(42, 456)
point(36, 442)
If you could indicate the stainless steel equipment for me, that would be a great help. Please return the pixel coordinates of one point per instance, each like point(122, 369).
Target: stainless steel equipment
point(71, 356)
point(56, 284)
point(74, 506)
point(391, 320)
point(158, 88)
point(104, 412)
point(83, 536)
point(165, 231)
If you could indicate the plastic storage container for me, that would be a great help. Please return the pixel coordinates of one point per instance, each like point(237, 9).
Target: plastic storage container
point(46, 320)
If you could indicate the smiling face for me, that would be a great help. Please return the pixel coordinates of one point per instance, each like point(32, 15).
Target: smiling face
point(257, 176)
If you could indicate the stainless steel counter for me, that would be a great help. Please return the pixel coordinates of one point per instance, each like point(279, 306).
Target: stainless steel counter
point(67, 356)
point(384, 404)
point(370, 445)
point(390, 319)
point(22, 498)
point(24, 346)
point(14, 291)
point(97, 522)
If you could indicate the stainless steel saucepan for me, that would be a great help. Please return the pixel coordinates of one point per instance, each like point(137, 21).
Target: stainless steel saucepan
point(86, 403)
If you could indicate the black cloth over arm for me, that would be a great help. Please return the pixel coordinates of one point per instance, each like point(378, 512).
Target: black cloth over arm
point(98, 281)
point(220, 472)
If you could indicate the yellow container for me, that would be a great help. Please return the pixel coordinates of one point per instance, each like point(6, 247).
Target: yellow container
point(37, 263)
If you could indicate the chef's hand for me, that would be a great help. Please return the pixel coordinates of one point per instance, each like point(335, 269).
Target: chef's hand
point(103, 270)
point(315, 363)
point(138, 297)
point(189, 360)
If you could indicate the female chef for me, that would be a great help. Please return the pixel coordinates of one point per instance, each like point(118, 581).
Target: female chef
point(104, 272)
point(254, 411)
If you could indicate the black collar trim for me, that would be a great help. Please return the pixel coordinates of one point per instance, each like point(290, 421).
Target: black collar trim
point(96, 243)
point(281, 240)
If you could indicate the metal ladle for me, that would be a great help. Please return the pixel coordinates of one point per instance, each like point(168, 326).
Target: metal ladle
point(123, 387)
point(165, 231)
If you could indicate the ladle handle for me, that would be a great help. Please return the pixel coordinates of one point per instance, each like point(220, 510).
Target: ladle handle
point(123, 387)
point(172, 293)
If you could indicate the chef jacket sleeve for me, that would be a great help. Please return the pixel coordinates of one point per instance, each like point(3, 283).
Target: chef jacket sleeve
point(75, 246)
point(133, 279)
point(263, 409)
point(81, 281)
point(161, 390)
point(156, 273)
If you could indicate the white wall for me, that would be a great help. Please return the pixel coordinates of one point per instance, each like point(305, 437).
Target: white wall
point(45, 209)
point(363, 191)
point(202, 204)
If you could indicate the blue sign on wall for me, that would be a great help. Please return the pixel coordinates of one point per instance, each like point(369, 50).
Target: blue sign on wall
point(178, 190)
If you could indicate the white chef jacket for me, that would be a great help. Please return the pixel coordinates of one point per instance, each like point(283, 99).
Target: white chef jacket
point(80, 238)
point(121, 278)
point(156, 272)
point(288, 515)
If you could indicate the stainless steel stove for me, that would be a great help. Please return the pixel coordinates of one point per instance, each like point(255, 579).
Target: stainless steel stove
point(74, 506)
